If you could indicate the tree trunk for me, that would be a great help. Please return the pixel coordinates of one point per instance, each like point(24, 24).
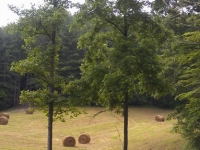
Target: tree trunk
point(51, 87)
point(126, 92)
point(50, 126)
point(126, 121)
point(51, 91)
point(18, 90)
point(15, 94)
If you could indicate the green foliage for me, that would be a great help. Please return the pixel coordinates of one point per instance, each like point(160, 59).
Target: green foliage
point(173, 15)
point(192, 6)
point(10, 49)
point(181, 63)
point(39, 99)
point(37, 27)
point(70, 57)
point(121, 54)
point(188, 115)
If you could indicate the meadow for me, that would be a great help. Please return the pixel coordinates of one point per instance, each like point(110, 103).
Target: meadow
point(29, 132)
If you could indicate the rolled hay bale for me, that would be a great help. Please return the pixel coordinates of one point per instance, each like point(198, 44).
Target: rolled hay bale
point(5, 115)
point(69, 141)
point(160, 118)
point(3, 120)
point(84, 139)
point(29, 111)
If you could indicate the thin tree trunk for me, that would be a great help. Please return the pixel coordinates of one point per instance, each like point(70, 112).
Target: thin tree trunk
point(15, 94)
point(4, 82)
point(51, 91)
point(126, 92)
point(126, 121)
point(27, 78)
point(50, 126)
point(51, 87)
point(18, 89)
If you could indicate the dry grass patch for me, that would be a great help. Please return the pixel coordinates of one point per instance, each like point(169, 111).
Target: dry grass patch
point(105, 130)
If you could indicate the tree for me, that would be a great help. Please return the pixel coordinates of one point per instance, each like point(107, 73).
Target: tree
point(187, 114)
point(70, 56)
point(10, 49)
point(182, 17)
point(39, 28)
point(121, 55)
point(175, 16)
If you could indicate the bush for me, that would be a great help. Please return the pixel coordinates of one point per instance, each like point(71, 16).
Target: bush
point(188, 122)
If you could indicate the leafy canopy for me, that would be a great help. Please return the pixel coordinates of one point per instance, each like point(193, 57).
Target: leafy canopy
point(121, 43)
point(188, 115)
point(36, 26)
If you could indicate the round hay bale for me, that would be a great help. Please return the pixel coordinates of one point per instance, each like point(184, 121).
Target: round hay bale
point(29, 111)
point(160, 118)
point(69, 141)
point(3, 120)
point(84, 139)
point(5, 115)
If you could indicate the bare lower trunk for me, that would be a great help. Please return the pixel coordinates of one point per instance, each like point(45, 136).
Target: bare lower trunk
point(50, 125)
point(126, 122)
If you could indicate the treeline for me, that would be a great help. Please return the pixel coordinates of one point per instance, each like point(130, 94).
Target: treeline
point(11, 83)
point(171, 16)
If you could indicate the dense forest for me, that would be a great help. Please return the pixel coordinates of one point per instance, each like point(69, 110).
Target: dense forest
point(11, 51)
point(109, 53)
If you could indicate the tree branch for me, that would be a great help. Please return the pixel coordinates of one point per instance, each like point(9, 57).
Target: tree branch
point(165, 2)
point(174, 16)
point(114, 25)
point(49, 36)
point(197, 43)
point(116, 118)
point(98, 114)
point(119, 136)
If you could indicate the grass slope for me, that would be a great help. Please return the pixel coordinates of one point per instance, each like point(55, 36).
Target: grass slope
point(29, 132)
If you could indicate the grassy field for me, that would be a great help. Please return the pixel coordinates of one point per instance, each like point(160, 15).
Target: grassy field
point(29, 132)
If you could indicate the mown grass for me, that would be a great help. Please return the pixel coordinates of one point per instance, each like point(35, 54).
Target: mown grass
point(29, 132)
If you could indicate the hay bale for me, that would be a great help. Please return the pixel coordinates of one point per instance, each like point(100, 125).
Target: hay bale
point(29, 111)
point(69, 141)
point(5, 115)
point(3, 120)
point(84, 139)
point(160, 118)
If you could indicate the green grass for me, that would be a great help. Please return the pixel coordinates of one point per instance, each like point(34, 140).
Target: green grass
point(29, 132)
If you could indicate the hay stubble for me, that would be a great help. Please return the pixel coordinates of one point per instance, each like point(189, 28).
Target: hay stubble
point(30, 131)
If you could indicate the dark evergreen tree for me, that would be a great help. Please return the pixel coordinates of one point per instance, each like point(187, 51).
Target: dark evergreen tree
point(70, 56)
point(10, 49)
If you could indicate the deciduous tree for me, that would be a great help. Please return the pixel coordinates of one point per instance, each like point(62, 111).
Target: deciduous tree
point(187, 114)
point(121, 55)
point(38, 27)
